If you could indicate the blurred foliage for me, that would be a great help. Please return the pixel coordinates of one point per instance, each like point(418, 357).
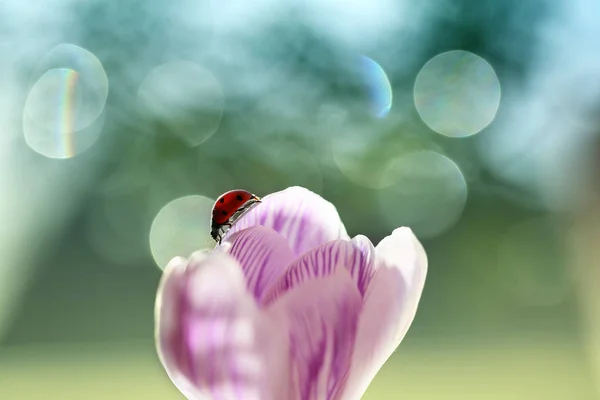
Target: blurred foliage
point(500, 313)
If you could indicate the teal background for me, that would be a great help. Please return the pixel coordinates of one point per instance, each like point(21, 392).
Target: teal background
point(509, 309)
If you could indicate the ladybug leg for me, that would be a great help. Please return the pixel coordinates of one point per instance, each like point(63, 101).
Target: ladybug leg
point(219, 236)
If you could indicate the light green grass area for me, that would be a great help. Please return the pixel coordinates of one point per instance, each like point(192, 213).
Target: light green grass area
point(529, 372)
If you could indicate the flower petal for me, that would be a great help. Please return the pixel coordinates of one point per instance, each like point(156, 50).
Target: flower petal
point(302, 217)
point(389, 307)
point(264, 256)
point(353, 256)
point(322, 316)
point(212, 339)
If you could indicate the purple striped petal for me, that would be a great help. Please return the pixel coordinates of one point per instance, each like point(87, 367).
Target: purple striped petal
point(302, 217)
point(322, 317)
point(263, 255)
point(389, 306)
point(212, 340)
point(354, 256)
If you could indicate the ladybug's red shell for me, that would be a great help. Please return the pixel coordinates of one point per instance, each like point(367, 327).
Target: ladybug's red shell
point(226, 206)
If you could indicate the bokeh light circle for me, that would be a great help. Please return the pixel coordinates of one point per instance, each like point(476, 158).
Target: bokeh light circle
point(63, 114)
point(180, 228)
point(186, 98)
point(57, 90)
point(74, 93)
point(379, 87)
point(457, 93)
point(429, 193)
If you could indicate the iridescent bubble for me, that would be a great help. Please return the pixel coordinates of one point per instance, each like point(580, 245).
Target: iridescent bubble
point(186, 98)
point(63, 112)
point(429, 193)
point(180, 228)
point(78, 93)
point(380, 89)
point(532, 263)
point(457, 93)
point(59, 91)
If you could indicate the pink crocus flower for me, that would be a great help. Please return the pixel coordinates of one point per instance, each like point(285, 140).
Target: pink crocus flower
point(288, 307)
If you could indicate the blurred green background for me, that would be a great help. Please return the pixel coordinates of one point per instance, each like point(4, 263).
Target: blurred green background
point(473, 122)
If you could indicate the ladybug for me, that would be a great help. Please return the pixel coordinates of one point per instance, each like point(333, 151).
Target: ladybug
point(228, 205)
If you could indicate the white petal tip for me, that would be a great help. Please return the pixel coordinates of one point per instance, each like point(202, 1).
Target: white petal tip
point(403, 230)
point(199, 256)
point(174, 263)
